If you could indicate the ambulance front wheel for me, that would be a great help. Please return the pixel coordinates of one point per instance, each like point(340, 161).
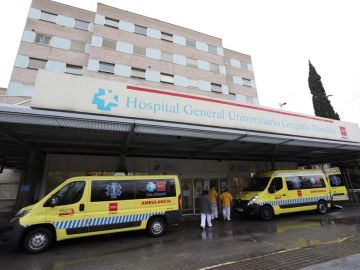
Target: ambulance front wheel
point(322, 207)
point(37, 240)
point(266, 212)
point(156, 226)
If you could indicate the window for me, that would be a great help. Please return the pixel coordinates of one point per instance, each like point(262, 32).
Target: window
point(336, 180)
point(77, 45)
point(257, 184)
point(190, 43)
point(146, 189)
point(106, 67)
point(82, 25)
point(109, 44)
point(191, 62)
point(276, 185)
point(49, 17)
point(138, 73)
point(227, 61)
point(246, 82)
point(166, 36)
point(139, 50)
point(140, 30)
point(112, 190)
point(214, 68)
point(166, 78)
point(216, 87)
point(242, 65)
point(305, 182)
point(167, 56)
point(229, 78)
point(42, 39)
point(212, 49)
point(77, 70)
point(70, 193)
point(35, 63)
point(8, 191)
point(193, 83)
point(111, 22)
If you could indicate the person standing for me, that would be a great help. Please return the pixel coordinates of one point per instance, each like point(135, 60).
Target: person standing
point(205, 210)
point(214, 202)
point(226, 200)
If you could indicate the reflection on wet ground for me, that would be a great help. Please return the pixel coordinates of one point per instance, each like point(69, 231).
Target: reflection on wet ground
point(187, 246)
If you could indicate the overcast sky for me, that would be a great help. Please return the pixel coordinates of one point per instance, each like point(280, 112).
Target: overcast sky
point(280, 35)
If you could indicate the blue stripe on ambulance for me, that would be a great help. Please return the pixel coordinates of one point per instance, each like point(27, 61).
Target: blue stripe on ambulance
point(70, 224)
point(296, 201)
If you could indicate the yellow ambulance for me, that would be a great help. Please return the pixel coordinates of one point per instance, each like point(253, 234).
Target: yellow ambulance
point(285, 191)
point(92, 205)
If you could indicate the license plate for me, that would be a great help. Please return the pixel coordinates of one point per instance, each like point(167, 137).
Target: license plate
point(239, 209)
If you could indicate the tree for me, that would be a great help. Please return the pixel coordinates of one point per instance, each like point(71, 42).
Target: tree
point(321, 103)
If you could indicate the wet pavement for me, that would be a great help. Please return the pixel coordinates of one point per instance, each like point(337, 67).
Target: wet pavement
point(186, 246)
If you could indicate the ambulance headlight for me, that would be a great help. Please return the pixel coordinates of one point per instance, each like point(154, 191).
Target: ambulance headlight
point(23, 213)
point(253, 200)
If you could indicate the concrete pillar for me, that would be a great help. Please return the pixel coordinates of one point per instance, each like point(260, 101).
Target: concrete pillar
point(30, 179)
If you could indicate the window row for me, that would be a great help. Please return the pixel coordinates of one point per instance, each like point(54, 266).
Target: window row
point(129, 190)
point(155, 76)
point(53, 41)
point(23, 61)
point(240, 80)
point(305, 182)
point(237, 63)
point(156, 54)
point(59, 19)
point(158, 34)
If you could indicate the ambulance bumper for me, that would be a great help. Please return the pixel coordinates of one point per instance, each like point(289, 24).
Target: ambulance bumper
point(173, 217)
point(12, 233)
point(252, 210)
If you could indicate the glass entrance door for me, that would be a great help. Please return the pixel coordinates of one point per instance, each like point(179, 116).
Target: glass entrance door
point(191, 189)
point(199, 185)
point(187, 196)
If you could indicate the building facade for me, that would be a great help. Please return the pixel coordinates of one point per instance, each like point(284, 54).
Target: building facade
point(115, 44)
point(112, 91)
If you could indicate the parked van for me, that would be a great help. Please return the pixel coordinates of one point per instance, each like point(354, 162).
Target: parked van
point(285, 191)
point(93, 205)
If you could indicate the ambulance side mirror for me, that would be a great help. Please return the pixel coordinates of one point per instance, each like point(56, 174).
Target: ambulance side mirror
point(272, 189)
point(54, 201)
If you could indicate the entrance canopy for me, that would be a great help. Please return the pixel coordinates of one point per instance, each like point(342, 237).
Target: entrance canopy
point(23, 129)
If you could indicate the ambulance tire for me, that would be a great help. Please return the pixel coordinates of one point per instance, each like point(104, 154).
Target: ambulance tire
point(322, 207)
point(37, 240)
point(156, 226)
point(266, 213)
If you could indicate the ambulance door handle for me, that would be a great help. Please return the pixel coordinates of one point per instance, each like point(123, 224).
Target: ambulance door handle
point(283, 195)
point(81, 207)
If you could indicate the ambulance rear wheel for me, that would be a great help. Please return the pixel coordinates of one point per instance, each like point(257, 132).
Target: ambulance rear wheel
point(37, 240)
point(266, 213)
point(156, 226)
point(322, 207)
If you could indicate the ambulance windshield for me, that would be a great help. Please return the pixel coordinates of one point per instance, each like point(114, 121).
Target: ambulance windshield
point(257, 184)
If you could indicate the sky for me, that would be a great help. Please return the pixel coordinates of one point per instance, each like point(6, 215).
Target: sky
point(280, 35)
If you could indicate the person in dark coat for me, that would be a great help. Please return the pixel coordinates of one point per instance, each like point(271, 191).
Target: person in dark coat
point(205, 209)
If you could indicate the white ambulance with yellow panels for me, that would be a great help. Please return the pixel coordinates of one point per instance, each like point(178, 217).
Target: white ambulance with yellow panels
point(285, 191)
point(92, 205)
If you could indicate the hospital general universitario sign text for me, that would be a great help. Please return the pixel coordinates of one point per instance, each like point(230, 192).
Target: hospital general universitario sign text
point(82, 94)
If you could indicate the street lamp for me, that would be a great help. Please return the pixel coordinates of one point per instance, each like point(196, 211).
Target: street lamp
point(281, 104)
point(329, 95)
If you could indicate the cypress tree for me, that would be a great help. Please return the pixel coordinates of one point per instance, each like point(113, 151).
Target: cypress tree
point(321, 103)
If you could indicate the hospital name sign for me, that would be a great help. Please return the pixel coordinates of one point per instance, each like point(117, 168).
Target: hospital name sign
point(81, 94)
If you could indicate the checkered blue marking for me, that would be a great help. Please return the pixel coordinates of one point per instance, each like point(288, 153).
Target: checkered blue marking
point(70, 224)
point(296, 201)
